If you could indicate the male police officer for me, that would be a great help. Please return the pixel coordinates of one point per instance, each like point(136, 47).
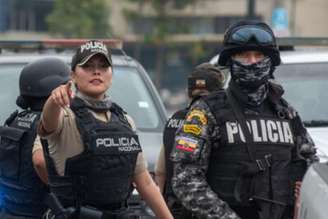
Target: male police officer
point(204, 79)
point(23, 191)
point(238, 164)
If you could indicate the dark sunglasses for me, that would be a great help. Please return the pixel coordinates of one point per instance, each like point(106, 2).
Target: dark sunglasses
point(246, 35)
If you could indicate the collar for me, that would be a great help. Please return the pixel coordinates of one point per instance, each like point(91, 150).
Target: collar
point(103, 105)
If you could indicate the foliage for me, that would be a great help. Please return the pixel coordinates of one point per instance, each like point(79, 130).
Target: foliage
point(162, 23)
point(80, 18)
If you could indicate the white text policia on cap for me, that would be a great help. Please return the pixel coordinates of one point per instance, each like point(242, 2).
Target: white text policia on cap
point(94, 46)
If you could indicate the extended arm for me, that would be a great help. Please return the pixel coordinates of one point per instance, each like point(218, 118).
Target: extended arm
point(160, 171)
point(59, 98)
point(151, 194)
point(40, 165)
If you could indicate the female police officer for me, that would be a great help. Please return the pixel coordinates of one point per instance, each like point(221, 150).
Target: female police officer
point(94, 154)
point(239, 163)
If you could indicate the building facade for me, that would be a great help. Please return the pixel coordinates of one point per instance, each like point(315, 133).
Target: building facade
point(213, 16)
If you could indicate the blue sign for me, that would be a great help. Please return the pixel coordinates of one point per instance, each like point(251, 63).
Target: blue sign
point(279, 19)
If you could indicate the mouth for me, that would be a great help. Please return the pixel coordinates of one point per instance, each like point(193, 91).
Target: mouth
point(96, 81)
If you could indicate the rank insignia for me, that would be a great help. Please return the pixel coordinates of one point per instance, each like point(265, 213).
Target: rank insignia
point(193, 129)
point(197, 114)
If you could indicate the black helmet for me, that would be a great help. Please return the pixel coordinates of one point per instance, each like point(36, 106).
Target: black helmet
point(37, 80)
point(249, 35)
point(205, 78)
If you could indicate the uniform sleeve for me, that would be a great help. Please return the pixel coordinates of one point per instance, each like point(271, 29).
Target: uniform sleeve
point(305, 147)
point(37, 144)
point(66, 113)
point(131, 122)
point(191, 156)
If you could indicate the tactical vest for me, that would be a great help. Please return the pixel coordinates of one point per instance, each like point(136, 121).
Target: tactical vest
point(233, 174)
point(101, 176)
point(23, 191)
point(171, 127)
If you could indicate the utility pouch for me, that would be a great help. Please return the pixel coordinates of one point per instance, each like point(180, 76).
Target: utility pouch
point(10, 151)
point(244, 188)
point(248, 185)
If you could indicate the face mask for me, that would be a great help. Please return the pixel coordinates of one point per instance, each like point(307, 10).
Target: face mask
point(252, 79)
point(94, 104)
point(251, 76)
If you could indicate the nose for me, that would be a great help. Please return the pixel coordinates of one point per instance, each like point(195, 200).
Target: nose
point(252, 59)
point(96, 70)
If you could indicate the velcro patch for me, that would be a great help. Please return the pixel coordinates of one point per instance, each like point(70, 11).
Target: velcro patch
point(186, 144)
point(197, 114)
point(193, 129)
point(200, 83)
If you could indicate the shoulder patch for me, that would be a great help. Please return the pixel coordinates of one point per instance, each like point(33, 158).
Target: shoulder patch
point(198, 115)
point(186, 144)
point(193, 129)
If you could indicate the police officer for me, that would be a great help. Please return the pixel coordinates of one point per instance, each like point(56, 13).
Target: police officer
point(94, 154)
point(205, 78)
point(23, 191)
point(238, 164)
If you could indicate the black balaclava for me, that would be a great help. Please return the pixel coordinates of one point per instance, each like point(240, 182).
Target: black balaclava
point(250, 81)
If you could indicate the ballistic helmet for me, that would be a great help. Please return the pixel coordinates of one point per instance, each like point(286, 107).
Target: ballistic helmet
point(249, 35)
point(37, 80)
point(205, 78)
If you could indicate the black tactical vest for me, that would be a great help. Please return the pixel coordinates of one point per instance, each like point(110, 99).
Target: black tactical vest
point(171, 127)
point(233, 174)
point(101, 176)
point(23, 191)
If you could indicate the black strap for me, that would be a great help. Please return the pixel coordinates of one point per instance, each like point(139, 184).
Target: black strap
point(48, 160)
point(120, 113)
point(236, 108)
point(11, 118)
point(242, 121)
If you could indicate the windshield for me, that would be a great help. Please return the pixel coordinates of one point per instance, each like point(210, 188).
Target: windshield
point(131, 93)
point(306, 89)
point(128, 90)
point(8, 89)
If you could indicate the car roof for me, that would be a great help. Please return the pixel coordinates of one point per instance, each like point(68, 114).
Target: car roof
point(23, 58)
point(304, 56)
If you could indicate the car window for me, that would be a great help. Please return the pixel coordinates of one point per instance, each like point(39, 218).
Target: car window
point(306, 89)
point(128, 90)
point(8, 89)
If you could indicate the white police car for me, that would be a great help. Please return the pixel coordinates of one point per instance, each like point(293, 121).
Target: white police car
point(314, 193)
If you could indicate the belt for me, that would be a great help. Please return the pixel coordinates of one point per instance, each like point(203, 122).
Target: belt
point(112, 206)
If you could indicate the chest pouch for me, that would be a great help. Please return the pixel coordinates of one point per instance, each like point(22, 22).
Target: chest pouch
point(10, 151)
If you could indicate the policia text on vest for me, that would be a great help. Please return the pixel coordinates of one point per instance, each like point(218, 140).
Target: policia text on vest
point(262, 131)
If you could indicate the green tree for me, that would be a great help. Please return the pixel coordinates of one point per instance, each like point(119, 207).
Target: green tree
point(161, 27)
point(80, 18)
point(162, 21)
